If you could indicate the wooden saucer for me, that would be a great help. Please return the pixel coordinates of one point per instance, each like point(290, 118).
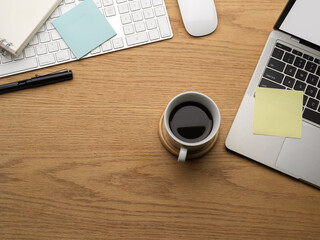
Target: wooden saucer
point(174, 148)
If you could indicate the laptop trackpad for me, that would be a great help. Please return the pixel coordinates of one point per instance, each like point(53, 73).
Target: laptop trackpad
point(301, 157)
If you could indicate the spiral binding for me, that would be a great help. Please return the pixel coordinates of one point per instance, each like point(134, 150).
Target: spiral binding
point(5, 44)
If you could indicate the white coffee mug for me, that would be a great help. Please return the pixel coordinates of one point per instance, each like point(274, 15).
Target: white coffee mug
point(182, 148)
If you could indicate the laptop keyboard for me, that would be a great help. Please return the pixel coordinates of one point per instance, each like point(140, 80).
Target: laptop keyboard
point(293, 69)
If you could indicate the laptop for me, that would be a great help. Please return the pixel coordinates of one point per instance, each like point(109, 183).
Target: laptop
point(290, 60)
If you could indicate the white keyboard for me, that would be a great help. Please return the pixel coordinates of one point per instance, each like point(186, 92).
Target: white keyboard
point(136, 22)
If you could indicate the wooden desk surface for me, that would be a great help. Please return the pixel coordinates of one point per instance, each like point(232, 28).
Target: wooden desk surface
point(82, 159)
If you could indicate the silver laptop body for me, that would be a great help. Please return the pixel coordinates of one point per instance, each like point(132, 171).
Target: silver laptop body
point(299, 158)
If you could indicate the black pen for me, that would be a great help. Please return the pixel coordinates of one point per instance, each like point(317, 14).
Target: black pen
point(37, 81)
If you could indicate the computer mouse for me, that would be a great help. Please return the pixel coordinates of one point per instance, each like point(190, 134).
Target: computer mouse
point(199, 16)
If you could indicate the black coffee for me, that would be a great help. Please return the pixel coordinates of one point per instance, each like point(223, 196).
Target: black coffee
point(191, 122)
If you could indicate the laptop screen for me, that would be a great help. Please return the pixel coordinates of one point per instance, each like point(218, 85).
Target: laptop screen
point(301, 18)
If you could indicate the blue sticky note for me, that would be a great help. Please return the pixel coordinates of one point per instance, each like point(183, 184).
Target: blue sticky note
point(84, 28)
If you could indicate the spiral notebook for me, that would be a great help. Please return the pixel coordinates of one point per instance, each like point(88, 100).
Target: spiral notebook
point(20, 20)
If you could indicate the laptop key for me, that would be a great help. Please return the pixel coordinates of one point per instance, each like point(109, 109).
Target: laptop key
point(311, 67)
point(273, 75)
point(268, 84)
point(318, 71)
point(312, 79)
point(300, 86)
point(305, 99)
point(288, 58)
point(318, 95)
point(301, 75)
point(311, 116)
point(317, 60)
point(296, 52)
point(313, 103)
point(286, 48)
point(311, 91)
point(275, 64)
point(299, 62)
point(290, 70)
point(288, 81)
point(277, 53)
point(308, 57)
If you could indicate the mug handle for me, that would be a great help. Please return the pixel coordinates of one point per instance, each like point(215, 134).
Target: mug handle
point(182, 154)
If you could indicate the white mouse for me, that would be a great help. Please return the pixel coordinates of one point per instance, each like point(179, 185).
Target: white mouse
point(199, 16)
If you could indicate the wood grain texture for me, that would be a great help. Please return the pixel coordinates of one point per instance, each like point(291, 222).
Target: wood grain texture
point(82, 159)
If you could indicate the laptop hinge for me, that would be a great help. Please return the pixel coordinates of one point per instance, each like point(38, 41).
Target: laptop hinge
point(295, 39)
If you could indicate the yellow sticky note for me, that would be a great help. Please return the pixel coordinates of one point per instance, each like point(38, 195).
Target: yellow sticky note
point(278, 112)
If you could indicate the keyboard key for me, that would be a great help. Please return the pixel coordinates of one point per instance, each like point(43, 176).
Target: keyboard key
point(137, 16)
point(300, 86)
point(288, 58)
point(305, 100)
point(268, 84)
point(301, 75)
point(311, 67)
point(137, 38)
point(49, 25)
point(279, 45)
point(62, 45)
point(288, 82)
point(278, 53)
point(6, 59)
point(290, 70)
point(312, 79)
point(148, 13)
point(96, 50)
point(106, 46)
point(19, 66)
point(318, 95)
point(311, 91)
point(34, 41)
point(98, 3)
point(154, 34)
point(299, 62)
point(159, 11)
point(157, 2)
point(125, 18)
point(107, 2)
point(164, 27)
point(134, 6)
point(296, 52)
point(313, 104)
point(145, 3)
point(46, 59)
point(55, 35)
point(44, 37)
point(53, 46)
point(117, 43)
point(140, 26)
point(41, 49)
point(151, 24)
point(308, 57)
point(128, 29)
point(317, 60)
point(311, 116)
point(66, 8)
point(123, 8)
point(29, 52)
point(63, 56)
point(273, 75)
point(318, 71)
point(110, 11)
point(276, 64)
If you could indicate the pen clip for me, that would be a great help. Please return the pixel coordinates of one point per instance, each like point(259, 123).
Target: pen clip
point(58, 71)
